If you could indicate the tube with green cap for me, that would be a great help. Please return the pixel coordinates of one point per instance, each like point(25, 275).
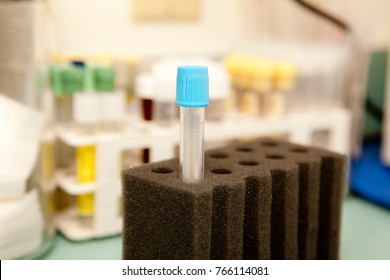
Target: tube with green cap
point(192, 95)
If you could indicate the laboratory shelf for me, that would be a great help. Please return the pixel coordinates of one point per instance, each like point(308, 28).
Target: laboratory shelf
point(73, 227)
point(68, 183)
point(76, 228)
point(298, 126)
point(138, 136)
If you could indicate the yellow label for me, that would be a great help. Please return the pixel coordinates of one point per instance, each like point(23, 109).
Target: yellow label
point(85, 174)
point(86, 164)
point(85, 204)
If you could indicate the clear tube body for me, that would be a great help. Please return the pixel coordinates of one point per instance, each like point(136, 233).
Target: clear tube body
point(191, 144)
point(277, 105)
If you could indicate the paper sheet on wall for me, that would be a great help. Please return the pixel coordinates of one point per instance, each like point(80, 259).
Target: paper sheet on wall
point(20, 133)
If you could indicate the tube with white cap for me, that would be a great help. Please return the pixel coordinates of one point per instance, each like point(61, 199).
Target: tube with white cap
point(192, 95)
point(164, 81)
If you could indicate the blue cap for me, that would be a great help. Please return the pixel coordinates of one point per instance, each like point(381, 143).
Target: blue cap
point(78, 63)
point(192, 86)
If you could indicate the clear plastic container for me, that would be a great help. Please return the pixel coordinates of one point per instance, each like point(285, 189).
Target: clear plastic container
point(281, 96)
point(305, 86)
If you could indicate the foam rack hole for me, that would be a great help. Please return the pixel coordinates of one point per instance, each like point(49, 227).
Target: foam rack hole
point(248, 163)
point(269, 143)
point(162, 170)
point(275, 156)
point(298, 150)
point(219, 155)
point(244, 149)
point(221, 171)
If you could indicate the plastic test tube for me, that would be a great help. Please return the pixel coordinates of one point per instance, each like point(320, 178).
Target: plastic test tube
point(145, 91)
point(219, 89)
point(284, 77)
point(87, 116)
point(164, 106)
point(192, 95)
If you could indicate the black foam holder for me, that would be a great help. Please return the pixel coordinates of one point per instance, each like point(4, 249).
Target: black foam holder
point(264, 199)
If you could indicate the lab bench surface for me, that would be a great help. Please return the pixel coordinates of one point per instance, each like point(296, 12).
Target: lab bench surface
point(365, 235)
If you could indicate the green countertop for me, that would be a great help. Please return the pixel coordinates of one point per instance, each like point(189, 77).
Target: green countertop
point(365, 235)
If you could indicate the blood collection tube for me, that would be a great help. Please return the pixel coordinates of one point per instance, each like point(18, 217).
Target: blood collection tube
point(192, 95)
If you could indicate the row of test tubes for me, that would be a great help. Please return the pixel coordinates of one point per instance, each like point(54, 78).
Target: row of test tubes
point(87, 97)
point(103, 94)
point(260, 86)
point(156, 90)
point(290, 80)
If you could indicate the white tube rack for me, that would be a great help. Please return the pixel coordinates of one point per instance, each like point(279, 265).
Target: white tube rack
point(162, 141)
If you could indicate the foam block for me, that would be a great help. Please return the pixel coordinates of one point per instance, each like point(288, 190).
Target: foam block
point(263, 199)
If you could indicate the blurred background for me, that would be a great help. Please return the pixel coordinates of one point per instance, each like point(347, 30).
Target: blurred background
point(87, 89)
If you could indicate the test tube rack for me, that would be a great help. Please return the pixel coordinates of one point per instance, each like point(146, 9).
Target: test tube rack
point(106, 188)
point(162, 141)
point(263, 199)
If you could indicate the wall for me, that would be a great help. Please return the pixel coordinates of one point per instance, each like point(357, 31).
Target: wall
point(107, 26)
point(101, 26)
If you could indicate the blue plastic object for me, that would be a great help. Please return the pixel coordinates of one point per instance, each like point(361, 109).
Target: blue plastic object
point(78, 63)
point(192, 86)
point(369, 177)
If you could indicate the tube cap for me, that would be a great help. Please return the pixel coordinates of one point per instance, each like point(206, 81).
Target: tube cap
point(192, 86)
point(219, 82)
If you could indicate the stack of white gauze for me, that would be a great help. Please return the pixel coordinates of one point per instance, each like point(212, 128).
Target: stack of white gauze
point(21, 216)
point(22, 225)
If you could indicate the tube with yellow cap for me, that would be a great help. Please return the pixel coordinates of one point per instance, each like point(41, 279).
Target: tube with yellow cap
point(262, 84)
point(235, 65)
point(243, 82)
point(284, 78)
point(248, 98)
point(258, 85)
